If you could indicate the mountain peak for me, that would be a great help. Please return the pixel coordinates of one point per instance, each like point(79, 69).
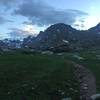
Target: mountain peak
point(98, 25)
point(59, 27)
point(61, 24)
point(61, 33)
point(95, 29)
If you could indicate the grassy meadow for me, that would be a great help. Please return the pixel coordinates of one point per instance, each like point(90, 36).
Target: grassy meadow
point(36, 77)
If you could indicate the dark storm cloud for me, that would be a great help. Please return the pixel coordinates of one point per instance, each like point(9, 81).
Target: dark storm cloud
point(41, 13)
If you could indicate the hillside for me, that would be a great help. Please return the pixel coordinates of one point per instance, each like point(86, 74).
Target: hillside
point(36, 77)
point(90, 59)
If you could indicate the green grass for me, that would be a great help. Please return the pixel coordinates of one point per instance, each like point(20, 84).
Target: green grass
point(43, 77)
point(90, 61)
point(36, 77)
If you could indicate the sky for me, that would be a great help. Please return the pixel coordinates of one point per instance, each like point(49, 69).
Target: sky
point(20, 18)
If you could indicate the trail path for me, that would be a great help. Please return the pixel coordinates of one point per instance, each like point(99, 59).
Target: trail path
point(86, 80)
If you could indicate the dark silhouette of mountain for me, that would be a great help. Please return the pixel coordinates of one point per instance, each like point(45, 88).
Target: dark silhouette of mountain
point(10, 43)
point(55, 34)
point(61, 34)
point(95, 29)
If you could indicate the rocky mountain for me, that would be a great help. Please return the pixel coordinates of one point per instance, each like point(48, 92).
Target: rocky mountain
point(61, 34)
point(95, 29)
point(10, 44)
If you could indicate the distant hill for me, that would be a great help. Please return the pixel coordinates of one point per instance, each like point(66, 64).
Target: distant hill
point(11, 44)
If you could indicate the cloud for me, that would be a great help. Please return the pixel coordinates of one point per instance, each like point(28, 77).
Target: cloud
point(3, 36)
point(3, 20)
point(41, 13)
point(27, 23)
point(7, 3)
point(17, 34)
point(10, 4)
point(26, 30)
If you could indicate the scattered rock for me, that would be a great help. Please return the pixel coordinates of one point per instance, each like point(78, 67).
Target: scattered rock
point(67, 99)
point(95, 96)
point(78, 57)
point(9, 93)
point(87, 82)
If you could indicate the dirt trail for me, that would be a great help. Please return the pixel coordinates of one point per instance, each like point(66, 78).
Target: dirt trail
point(86, 80)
